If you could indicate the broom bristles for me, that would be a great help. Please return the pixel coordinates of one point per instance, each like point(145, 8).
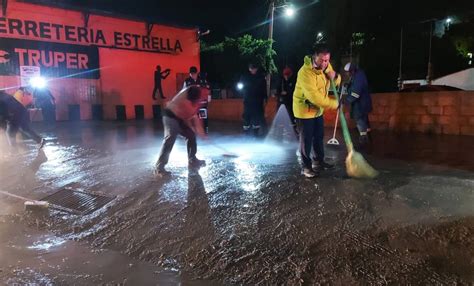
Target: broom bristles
point(357, 166)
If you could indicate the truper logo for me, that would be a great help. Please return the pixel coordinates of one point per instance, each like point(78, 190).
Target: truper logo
point(4, 57)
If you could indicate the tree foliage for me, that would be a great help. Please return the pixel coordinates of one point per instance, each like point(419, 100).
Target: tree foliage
point(227, 60)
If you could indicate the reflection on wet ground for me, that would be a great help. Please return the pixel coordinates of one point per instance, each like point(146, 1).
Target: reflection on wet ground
point(252, 218)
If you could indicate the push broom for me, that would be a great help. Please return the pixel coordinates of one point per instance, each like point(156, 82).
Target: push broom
point(356, 165)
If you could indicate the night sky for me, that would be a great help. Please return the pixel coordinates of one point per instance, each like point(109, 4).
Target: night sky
point(379, 20)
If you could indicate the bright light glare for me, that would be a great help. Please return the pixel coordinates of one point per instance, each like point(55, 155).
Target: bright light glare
point(289, 11)
point(240, 86)
point(38, 82)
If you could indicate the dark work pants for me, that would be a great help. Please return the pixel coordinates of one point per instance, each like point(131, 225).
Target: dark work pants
point(253, 115)
point(174, 127)
point(311, 135)
point(363, 124)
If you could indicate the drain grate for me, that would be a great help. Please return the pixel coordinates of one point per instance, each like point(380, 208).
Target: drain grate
point(77, 202)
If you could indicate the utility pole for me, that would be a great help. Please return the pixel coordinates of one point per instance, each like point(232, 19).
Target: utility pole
point(400, 80)
point(270, 37)
point(429, 72)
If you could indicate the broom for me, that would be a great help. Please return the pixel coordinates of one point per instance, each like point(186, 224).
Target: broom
point(356, 165)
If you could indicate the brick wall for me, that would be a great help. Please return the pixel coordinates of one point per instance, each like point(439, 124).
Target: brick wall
point(446, 112)
point(429, 112)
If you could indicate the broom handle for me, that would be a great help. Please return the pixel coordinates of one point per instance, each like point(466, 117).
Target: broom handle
point(335, 125)
point(342, 118)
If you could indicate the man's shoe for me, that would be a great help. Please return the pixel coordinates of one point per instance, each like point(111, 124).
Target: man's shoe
point(322, 165)
point(309, 173)
point(196, 163)
point(161, 172)
point(363, 139)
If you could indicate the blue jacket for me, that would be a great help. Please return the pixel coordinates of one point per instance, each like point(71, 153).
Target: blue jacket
point(358, 95)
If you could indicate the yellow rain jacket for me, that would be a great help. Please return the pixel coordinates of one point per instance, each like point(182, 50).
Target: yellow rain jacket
point(311, 92)
point(23, 97)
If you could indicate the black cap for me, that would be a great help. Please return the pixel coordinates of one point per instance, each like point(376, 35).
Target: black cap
point(193, 69)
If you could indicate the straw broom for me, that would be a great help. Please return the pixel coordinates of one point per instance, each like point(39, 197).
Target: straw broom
point(356, 165)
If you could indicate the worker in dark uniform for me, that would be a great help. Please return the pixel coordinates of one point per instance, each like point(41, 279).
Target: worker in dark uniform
point(15, 115)
point(193, 78)
point(45, 100)
point(358, 96)
point(206, 89)
point(200, 79)
point(253, 88)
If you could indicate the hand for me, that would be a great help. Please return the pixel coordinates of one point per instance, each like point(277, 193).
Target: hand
point(309, 103)
point(331, 74)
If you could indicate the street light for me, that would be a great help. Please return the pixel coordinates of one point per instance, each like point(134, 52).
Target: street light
point(289, 12)
point(38, 82)
point(448, 22)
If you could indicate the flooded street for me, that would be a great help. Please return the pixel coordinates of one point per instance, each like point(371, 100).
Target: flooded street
point(248, 217)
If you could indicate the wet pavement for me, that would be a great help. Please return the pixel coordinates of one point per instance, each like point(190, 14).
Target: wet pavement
point(245, 219)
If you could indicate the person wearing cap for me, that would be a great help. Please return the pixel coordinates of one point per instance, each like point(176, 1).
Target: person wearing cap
point(254, 90)
point(358, 96)
point(180, 117)
point(284, 94)
point(193, 78)
point(310, 99)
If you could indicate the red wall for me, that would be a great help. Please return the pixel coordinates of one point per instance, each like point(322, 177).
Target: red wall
point(126, 76)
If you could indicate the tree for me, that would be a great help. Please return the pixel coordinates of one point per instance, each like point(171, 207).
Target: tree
point(226, 61)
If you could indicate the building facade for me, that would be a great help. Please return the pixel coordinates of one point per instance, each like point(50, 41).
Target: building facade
point(97, 66)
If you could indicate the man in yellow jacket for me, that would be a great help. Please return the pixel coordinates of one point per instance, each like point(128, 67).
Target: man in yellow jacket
point(310, 99)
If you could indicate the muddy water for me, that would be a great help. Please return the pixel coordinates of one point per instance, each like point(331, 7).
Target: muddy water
point(253, 219)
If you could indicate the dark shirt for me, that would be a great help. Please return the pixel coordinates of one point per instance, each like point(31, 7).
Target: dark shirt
point(254, 88)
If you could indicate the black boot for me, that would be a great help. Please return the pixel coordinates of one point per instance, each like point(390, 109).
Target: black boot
point(364, 139)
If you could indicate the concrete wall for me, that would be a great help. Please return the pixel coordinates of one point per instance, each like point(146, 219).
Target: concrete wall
point(447, 112)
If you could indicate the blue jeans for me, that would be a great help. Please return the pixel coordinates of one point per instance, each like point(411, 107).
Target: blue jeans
point(311, 135)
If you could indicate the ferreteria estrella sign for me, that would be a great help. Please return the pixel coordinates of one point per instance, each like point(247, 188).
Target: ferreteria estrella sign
point(87, 36)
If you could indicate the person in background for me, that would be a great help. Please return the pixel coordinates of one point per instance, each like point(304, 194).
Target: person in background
point(284, 94)
point(203, 114)
point(253, 88)
point(193, 78)
point(310, 99)
point(358, 96)
point(180, 117)
point(46, 101)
